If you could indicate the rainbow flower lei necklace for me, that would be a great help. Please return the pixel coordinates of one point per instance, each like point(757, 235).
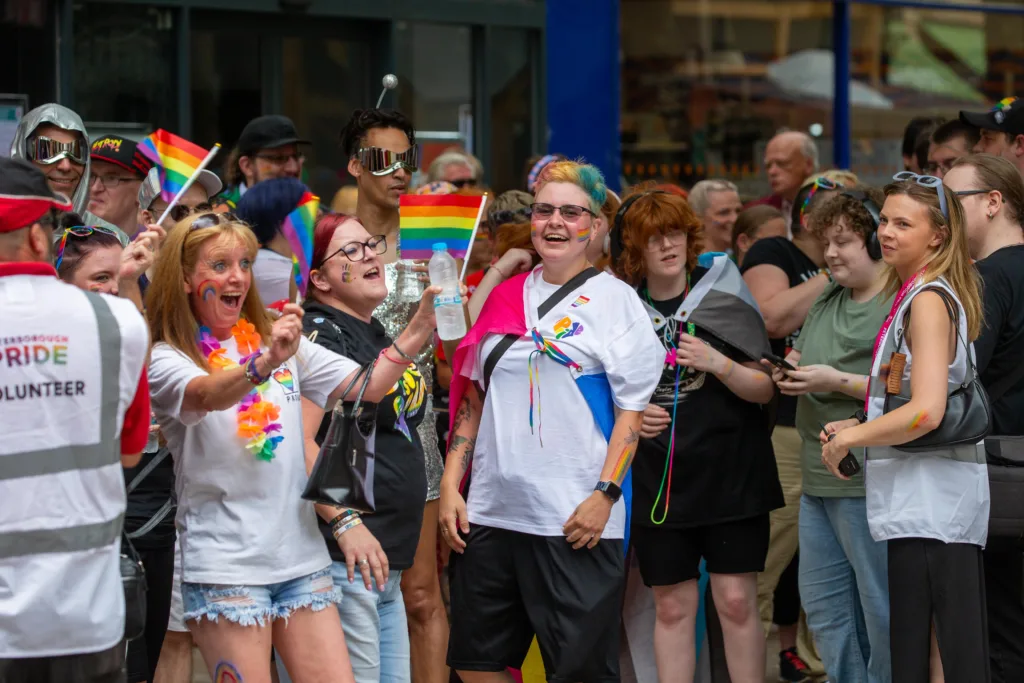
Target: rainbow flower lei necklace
point(257, 417)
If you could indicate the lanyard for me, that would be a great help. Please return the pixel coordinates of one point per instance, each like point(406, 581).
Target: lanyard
point(900, 296)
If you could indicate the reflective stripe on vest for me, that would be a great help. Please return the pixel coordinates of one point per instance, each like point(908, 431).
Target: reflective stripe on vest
point(75, 457)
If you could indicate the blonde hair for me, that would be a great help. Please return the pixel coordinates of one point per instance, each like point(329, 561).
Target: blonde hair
point(168, 309)
point(951, 260)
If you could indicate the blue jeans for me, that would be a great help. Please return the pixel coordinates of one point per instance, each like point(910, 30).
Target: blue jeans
point(376, 631)
point(844, 587)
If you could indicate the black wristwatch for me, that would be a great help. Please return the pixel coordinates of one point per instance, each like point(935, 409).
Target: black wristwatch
point(610, 489)
point(860, 416)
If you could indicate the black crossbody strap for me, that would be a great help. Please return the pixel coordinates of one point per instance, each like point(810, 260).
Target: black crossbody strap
point(509, 339)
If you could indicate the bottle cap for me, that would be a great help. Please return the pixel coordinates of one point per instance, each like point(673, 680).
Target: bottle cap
point(440, 246)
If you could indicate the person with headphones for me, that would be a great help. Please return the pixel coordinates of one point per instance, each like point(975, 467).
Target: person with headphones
point(713, 501)
point(840, 564)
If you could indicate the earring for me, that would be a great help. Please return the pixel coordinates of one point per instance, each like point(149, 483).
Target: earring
point(991, 216)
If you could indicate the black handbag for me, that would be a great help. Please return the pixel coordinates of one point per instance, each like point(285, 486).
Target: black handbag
point(133, 579)
point(968, 417)
point(343, 473)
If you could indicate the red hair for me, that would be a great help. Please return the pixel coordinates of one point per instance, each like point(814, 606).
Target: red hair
point(323, 233)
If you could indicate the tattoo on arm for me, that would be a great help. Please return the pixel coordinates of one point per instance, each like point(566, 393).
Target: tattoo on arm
point(459, 442)
point(632, 437)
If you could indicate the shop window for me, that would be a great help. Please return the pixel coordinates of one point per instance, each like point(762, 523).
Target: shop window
point(510, 87)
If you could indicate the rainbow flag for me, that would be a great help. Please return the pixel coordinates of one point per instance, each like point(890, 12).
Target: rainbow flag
point(177, 159)
point(427, 219)
point(298, 228)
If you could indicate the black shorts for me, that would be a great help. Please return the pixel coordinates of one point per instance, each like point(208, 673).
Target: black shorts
point(671, 556)
point(509, 586)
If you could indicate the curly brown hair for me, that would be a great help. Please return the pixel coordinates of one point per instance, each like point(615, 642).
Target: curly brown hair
point(651, 215)
point(841, 206)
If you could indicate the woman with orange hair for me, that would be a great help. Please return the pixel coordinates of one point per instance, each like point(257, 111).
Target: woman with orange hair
point(708, 408)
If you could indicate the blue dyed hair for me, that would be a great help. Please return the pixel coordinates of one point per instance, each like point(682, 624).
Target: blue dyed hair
point(265, 205)
point(584, 176)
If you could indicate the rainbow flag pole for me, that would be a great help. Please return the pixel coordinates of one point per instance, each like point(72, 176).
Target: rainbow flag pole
point(188, 183)
point(472, 238)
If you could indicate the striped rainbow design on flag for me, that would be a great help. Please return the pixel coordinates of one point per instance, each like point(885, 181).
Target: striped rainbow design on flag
point(298, 228)
point(176, 157)
point(427, 219)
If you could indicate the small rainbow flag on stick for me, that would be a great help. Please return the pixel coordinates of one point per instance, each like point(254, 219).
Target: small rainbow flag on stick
point(177, 158)
point(427, 219)
point(298, 228)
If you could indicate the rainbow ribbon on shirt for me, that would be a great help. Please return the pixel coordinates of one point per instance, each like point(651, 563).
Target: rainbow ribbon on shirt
point(549, 349)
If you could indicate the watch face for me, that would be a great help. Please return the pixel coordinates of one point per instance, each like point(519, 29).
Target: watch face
point(610, 489)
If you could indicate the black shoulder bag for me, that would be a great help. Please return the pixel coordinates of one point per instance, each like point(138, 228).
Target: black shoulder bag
point(968, 418)
point(509, 339)
point(1005, 456)
point(343, 473)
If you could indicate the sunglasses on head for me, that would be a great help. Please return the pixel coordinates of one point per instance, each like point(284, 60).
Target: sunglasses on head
point(384, 162)
point(211, 219)
point(818, 184)
point(84, 232)
point(45, 150)
point(928, 181)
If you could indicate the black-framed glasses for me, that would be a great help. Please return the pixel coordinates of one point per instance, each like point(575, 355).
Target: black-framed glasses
point(570, 212)
point(928, 181)
point(354, 251)
point(971, 193)
point(384, 162)
point(282, 159)
point(49, 151)
point(84, 232)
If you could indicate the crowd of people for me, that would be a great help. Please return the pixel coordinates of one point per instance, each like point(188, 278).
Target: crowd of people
point(817, 360)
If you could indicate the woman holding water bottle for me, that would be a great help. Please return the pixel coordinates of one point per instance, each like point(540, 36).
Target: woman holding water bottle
point(539, 539)
point(344, 289)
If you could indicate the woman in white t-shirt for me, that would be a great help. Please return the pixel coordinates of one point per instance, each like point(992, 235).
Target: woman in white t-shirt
point(931, 504)
point(540, 537)
point(227, 386)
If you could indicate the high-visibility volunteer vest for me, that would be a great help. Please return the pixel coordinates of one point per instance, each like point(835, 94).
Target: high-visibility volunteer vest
point(70, 365)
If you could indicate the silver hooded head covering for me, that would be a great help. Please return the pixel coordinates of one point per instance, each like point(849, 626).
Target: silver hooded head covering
point(68, 120)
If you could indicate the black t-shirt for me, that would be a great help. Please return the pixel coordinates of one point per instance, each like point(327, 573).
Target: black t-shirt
point(1000, 347)
point(148, 499)
point(780, 252)
point(724, 466)
point(399, 475)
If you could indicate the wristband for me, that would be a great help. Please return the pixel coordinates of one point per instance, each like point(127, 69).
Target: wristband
point(342, 518)
point(500, 272)
point(402, 353)
point(385, 355)
point(251, 373)
point(345, 527)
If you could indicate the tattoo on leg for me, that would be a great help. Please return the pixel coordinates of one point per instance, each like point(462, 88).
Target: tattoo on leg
point(226, 673)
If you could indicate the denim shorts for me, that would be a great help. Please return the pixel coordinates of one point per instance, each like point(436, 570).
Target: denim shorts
point(252, 605)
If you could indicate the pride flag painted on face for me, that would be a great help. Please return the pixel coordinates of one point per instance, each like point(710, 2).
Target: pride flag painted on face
point(298, 228)
point(177, 159)
point(427, 219)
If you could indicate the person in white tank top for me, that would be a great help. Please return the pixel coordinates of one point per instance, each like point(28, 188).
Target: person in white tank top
point(930, 507)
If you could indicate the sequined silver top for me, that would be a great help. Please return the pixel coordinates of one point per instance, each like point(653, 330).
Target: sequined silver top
point(395, 315)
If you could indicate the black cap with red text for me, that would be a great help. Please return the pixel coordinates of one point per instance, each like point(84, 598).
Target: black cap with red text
point(1005, 117)
point(121, 152)
point(25, 196)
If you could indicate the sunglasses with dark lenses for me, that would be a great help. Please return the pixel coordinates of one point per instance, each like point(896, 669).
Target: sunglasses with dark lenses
point(383, 161)
point(499, 218)
point(570, 212)
point(180, 212)
point(929, 181)
point(48, 151)
point(85, 232)
point(354, 251)
point(465, 182)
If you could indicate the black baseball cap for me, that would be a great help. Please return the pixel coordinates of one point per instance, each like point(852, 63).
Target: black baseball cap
point(25, 195)
point(1005, 117)
point(268, 132)
point(121, 152)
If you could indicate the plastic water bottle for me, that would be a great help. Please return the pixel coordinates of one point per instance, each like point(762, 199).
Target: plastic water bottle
point(444, 272)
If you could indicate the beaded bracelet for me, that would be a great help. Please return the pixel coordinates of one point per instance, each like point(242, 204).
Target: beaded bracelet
point(251, 373)
point(342, 529)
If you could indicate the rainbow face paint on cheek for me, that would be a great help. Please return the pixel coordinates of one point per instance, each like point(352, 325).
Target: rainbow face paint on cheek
point(346, 273)
point(207, 290)
point(582, 234)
